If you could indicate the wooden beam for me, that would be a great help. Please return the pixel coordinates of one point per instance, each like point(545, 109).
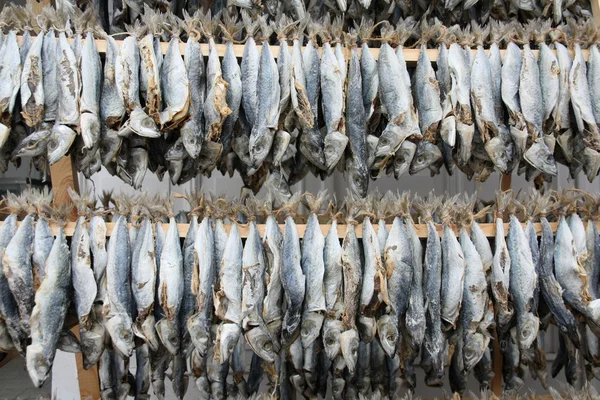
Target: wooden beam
point(411, 55)
point(63, 176)
point(505, 182)
point(488, 229)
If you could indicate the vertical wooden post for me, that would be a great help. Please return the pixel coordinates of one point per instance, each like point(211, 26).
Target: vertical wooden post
point(505, 182)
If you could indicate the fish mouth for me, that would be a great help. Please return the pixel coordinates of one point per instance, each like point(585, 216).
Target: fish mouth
point(334, 144)
point(474, 349)
point(168, 333)
point(497, 151)
point(261, 344)
point(528, 331)
point(38, 364)
point(540, 157)
point(90, 129)
point(349, 343)
point(119, 329)
point(465, 142)
point(310, 329)
point(448, 130)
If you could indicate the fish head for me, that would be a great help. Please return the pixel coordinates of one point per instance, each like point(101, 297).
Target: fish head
point(210, 153)
point(331, 338)
point(465, 133)
point(427, 155)
point(199, 329)
point(39, 363)
point(110, 144)
point(474, 348)
point(137, 165)
point(540, 157)
point(168, 332)
point(92, 344)
point(121, 333)
point(90, 129)
point(192, 140)
point(387, 327)
point(60, 141)
point(142, 124)
point(228, 336)
point(147, 332)
point(403, 158)
point(177, 151)
point(349, 343)
point(34, 144)
point(311, 146)
point(291, 322)
point(528, 330)
point(334, 146)
point(261, 343)
point(357, 176)
point(259, 146)
point(366, 328)
point(448, 130)
point(390, 140)
point(311, 328)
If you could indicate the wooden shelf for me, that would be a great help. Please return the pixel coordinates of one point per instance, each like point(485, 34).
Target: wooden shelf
point(488, 229)
point(411, 55)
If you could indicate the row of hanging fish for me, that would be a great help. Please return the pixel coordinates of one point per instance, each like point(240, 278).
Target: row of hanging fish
point(308, 111)
point(449, 11)
point(328, 310)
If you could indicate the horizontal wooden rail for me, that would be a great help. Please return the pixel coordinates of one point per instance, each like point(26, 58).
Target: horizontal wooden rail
point(488, 229)
point(411, 55)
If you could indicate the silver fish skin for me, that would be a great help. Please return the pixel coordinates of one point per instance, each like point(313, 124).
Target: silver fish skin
point(188, 299)
point(202, 283)
point(272, 304)
point(233, 76)
point(292, 280)
point(175, 87)
point(228, 335)
point(562, 112)
point(143, 285)
point(35, 144)
point(284, 69)
point(427, 98)
point(511, 72)
point(496, 71)
point(267, 112)
point(32, 85)
point(26, 43)
point(221, 237)
point(83, 281)
point(370, 80)
point(333, 273)
point(453, 274)
point(127, 67)
point(415, 315)
point(112, 107)
point(50, 311)
point(523, 280)
point(349, 343)
point(43, 239)
point(250, 68)
point(6, 343)
point(448, 125)
point(482, 245)
point(117, 308)
point(592, 268)
point(171, 289)
point(8, 306)
point(10, 76)
point(91, 90)
point(593, 72)
point(550, 76)
point(253, 284)
point(332, 92)
point(398, 259)
point(434, 342)
point(61, 139)
point(215, 106)
point(312, 67)
point(299, 97)
point(97, 229)
point(105, 375)
point(356, 166)
point(313, 266)
point(142, 371)
point(50, 75)
point(500, 278)
point(192, 131)
point(577, 229)
point(69, 83)
point(16, 262)
point(374, 286)
point(150, 77)
point(569, 273)
point(396, 97)
point(228, 299)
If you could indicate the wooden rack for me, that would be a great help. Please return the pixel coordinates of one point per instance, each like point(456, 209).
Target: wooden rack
point(63, 176)
point(488, 229)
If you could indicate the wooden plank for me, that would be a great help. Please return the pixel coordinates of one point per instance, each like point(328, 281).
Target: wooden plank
point(38, 5)
point(63, 176)
point(9, 357)
point(596, 11)
point(488, 229)
point(411, 55)
point(89, 382)
point(505, 182)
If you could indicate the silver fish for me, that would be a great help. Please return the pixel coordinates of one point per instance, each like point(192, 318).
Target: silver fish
point(215, 104)
point(10, 75)
point(368, 71)
point(292, 280)
point(97, 229)
point(202, 283)
point(190, 266)
point(427, 96)
point(175, 87)
point(332, 258)
point(32, 85)
point(272, 304)
point(150, 87)
point(68, 82)
point(299, 96)
point(117, 308)
point(50, 311)
point(453, 274)
point(50, 75)
point(460, 99)
point(142, 371)
point(126, 74)
point(112, 107)
point(91, 89)
point(500, 274)
point(523, 280)
point(232, 74)
point(35, 144)
point(192, 131)
point(171, 289)
point(61, 139)
point(250, 68)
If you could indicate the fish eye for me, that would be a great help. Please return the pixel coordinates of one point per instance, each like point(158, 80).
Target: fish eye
point(268, 346)
point(563, 328)
point(147, 123)
point(420, 159)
